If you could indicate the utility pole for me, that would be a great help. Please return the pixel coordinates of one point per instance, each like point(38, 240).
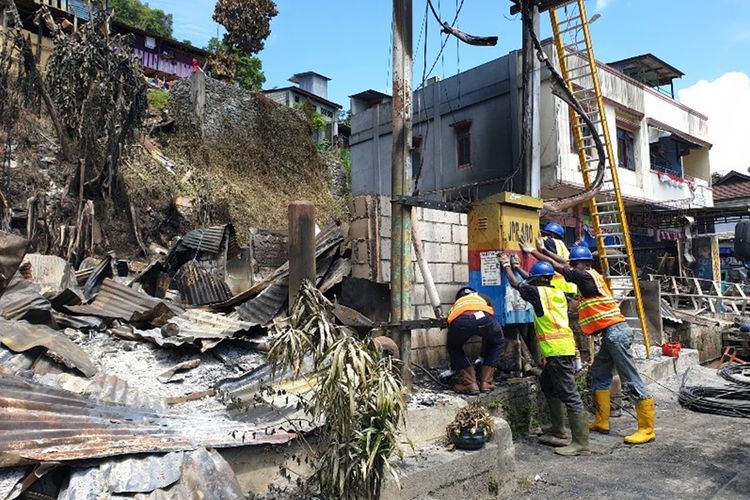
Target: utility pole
point(401, 119)
point(530, 138)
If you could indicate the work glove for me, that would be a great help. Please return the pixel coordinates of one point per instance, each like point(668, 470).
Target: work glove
point(515, 261)
point(524, 244)
point(504, 260)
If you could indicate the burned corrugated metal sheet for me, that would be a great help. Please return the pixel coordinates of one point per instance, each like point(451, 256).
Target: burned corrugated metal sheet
point(104, 388)
point(200, 328)
point(22, 301)
point(100, 273)
point(667, 313)
point(175, 476)
point(20, 336)
point(340, 269)
point(210, 240)
point(85, 323)
point(117, 301)
point(15, 362)
point(266, 305)
point(51, 273)
point(12, 250)
point(200, 286)
point(9, 478)
point(42, 423)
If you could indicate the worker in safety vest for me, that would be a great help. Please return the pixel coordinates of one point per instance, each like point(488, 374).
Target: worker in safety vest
point(598, 313)
point(472, 315)
point(553, 241)
point(558, 347)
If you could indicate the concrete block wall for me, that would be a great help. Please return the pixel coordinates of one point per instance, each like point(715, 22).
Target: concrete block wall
point(445, 240)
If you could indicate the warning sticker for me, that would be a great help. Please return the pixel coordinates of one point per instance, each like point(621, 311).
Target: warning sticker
point(490, 268)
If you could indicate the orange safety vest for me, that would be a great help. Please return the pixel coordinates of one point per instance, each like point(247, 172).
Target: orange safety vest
point(599, 312)
point(471, 302)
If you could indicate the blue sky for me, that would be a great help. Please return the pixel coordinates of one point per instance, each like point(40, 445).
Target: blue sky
point(349, 40)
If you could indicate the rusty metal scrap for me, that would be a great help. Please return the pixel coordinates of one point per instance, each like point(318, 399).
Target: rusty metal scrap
point(200, 328)
point(171, 374)
point(16, 362)
point(212, 239)
point(12, 250)
point(117, 301)
point(199, 286)
point(51, 273)
point(97, 277)
point(42, 423)
point(21, 336)
point(178, 475)
point(22, 301)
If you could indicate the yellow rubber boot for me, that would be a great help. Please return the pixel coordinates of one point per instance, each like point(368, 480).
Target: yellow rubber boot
point(644, 410)
point(601, 419)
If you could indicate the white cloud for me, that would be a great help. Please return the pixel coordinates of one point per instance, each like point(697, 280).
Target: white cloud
point(601, 5)
point(726, 102)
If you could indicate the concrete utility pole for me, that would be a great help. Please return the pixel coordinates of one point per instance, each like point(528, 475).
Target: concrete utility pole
point(530, 138)
point(401, 263)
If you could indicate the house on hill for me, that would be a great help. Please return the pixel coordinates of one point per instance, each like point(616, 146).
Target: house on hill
point(311, 87)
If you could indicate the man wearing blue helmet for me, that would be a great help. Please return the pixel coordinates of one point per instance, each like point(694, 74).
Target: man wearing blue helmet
point(599, 313)
point(472, 315)
point(557, 345)
point(554, 234)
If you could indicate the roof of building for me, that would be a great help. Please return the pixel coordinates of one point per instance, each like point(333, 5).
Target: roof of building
point(306, 94)
point(297, 76)
point(647, 68)
point(732, 186)
point(370, 96)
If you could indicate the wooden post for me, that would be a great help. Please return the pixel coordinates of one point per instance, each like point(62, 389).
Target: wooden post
point(301, 247)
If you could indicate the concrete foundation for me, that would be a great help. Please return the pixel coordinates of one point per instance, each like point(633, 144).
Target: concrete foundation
point(438, 473)
point(662, 367)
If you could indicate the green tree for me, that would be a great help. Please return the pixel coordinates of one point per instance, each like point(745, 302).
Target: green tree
point(233, 64)
point(140, 15)
point(248, 23)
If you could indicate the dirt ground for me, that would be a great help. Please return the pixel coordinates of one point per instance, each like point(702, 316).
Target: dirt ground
point(695, 455)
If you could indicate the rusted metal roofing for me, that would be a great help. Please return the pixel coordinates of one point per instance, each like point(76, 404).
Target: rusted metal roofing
point(210, 240)
point(199, 286)
point(42, 423)
point(12, 250)
point(102, 387)
point(22, 301)
point(261, 309)
point(97, 277)
point(50, 272)
point(178, 475)
point(667, 312)
point(117, 301)
point(200, 328)
point(20, 336)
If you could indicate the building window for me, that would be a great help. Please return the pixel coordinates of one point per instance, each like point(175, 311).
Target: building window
point(463, 143)
point(416, 156)
point(296, 98)
point(625, 149)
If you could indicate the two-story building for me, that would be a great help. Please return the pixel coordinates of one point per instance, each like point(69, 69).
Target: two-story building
point(161, 57)
point(467, 136)
point(311, 87)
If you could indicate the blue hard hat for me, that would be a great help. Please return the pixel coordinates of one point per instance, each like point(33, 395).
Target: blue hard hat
point(554, 228)
point(580, 252)
point(541, 269)
point(464, 290)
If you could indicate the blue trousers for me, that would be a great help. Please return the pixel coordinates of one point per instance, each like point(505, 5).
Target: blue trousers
point(468, 325)
point(615, 352)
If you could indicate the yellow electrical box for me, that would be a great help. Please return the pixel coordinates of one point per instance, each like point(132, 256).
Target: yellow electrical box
point(495, 222)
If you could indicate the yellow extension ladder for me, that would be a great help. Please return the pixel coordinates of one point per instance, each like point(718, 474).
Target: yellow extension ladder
point(570, 27)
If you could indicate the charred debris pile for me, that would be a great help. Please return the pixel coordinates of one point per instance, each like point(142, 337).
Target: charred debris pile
point(109, 375)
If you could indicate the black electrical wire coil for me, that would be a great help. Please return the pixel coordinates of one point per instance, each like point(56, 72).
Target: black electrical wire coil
point(736, 373)
point(730, 401)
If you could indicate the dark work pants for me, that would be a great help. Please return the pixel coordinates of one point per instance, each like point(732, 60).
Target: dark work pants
point(558, 381)
point(466, 326)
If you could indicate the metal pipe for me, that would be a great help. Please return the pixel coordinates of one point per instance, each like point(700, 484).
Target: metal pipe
point(429, 283)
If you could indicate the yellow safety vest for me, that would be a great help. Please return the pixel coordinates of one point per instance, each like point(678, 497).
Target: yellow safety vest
point(558, 281)
point(470, 302)
point(553, 330)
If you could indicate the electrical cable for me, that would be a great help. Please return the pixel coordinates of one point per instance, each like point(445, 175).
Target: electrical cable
point(736, 373)
point(561, 90)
